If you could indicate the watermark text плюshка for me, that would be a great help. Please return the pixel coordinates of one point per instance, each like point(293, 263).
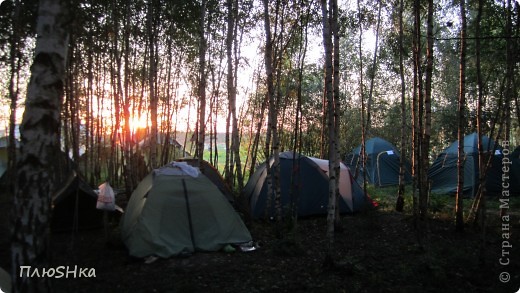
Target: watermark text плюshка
point(57, 272)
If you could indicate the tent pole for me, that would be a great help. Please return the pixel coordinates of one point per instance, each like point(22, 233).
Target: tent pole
point(189, 213)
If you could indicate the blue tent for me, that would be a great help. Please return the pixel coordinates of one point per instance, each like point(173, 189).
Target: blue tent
point(382, 165)
point(443, 171)
point(304, 186)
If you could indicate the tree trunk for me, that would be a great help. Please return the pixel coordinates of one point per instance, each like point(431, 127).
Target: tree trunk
point(329, 94)
point(337, 105)
point(256, 139)
point(36, 167)
point(362, 153)
point(323, 136)
point(152, 77)
point(417, 113)
point(297, 131)
point(166, 146)
point(274, 109)
point(14, 80)
point(268, 60)
point(481, 196)
point(399, 206)
point(426, 132)
point(231, 85)
point(89, 119)
point(459, 209)
point(373, 71)
point(202, 84)
point(509, 89)
point(274, 172)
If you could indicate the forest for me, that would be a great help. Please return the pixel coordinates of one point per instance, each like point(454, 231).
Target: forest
point(111, 90)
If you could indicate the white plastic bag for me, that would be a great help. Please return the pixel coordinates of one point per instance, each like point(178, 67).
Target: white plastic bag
point(106, 198)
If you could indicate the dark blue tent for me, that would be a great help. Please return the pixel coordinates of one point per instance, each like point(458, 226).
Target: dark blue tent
point(382, 165)
point(303, 184)
point(74, 206)
point(443, 171)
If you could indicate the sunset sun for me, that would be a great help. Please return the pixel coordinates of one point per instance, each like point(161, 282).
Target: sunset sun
point(138, 122)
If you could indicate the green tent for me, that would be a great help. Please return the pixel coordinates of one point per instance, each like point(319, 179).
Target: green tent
point(382, 165)
point(443, 171)
point(213, 174)
point(5, 281)
point(177, 210)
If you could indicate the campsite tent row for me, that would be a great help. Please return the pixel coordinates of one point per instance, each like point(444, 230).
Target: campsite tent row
point(382, 166)
point(176, 209)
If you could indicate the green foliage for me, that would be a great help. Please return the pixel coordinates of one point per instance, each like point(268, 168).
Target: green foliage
point(109, 61)
point(386, 197)
point(438, 203)
point(26, 21)
point(440, 206)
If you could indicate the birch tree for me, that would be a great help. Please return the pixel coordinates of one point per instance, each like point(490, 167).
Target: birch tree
point(231, 43)
point(373, 70)
point(426, 131)
point(202, 84)
point(416, 108)
point(459, 209)
point(152, 77)
point(362, 154)
point(481, 200)
point(271, 135)
point(36, 167)
point(331, 92)
point(335, 156)
point(14, 81)
point(399, 206)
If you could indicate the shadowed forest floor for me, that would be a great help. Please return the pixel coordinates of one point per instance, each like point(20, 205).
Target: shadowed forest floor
point(377, 251)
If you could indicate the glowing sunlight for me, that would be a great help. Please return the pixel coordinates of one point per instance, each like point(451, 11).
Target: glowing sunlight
point(138, 122)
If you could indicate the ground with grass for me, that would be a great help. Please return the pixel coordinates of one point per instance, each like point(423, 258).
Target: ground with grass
point(376, 251)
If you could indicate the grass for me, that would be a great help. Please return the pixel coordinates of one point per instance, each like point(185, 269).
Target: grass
point(221, 153)
point(440, 205)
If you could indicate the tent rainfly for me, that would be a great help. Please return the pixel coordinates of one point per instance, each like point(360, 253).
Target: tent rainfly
point(73, 202)
point(443, 171)
point(177, 210)
point(303, 184)
point(74, 207)
point(382, 165)
point(213, 175)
